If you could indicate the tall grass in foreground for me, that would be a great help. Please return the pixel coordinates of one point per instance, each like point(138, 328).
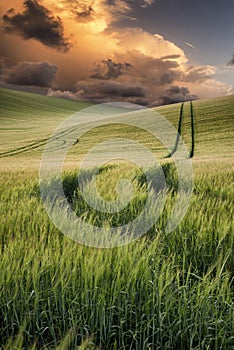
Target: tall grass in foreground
point(164, 291)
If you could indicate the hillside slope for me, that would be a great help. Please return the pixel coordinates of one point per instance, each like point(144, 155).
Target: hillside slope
point(214, 125)
point(27, 120)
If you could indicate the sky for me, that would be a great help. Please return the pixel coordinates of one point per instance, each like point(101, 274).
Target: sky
point(150, 52)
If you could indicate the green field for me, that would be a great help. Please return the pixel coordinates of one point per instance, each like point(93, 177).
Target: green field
point(170, 291)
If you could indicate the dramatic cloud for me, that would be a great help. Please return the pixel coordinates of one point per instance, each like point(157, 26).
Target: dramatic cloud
point(84, 13)
point(125, 7)
point(108, 90)
point(98, 14)
point(150, 45)
point(132, 77)
point(145, 3)
point(119, 7)
point(167, 78)
point(130, 3)
point(108, 69)
point(145, 80)
point(174, 94)
point(104, 91)
point(62, 94)
point(79, 10)
point(231, 62)
point(3, 66)
point(37, 22)
point(30, 73)
point(198, 74)
point(149, 70)
point(211, 88)
point(107, 62)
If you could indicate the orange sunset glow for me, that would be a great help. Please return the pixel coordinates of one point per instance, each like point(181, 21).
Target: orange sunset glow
point(92, 50)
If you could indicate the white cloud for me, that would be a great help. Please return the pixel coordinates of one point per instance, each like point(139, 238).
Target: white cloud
point(190, 45)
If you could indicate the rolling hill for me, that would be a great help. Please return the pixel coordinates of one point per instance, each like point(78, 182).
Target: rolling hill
point(165, 290)
point(27, 120)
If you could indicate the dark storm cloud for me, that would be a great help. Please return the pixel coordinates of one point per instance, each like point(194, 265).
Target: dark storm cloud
point(231, 62)
point(173, 95)
point(30, 73)
point(132, 77)
point(167, 78)
point(104, 91)
point(135, 77)
point(108, 69)
point(153, 72)
point(37, 22)
point(97, 89)
point(3, 65)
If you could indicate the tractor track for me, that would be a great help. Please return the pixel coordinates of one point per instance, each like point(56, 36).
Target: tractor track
point(38, 144)
point(179, 130)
